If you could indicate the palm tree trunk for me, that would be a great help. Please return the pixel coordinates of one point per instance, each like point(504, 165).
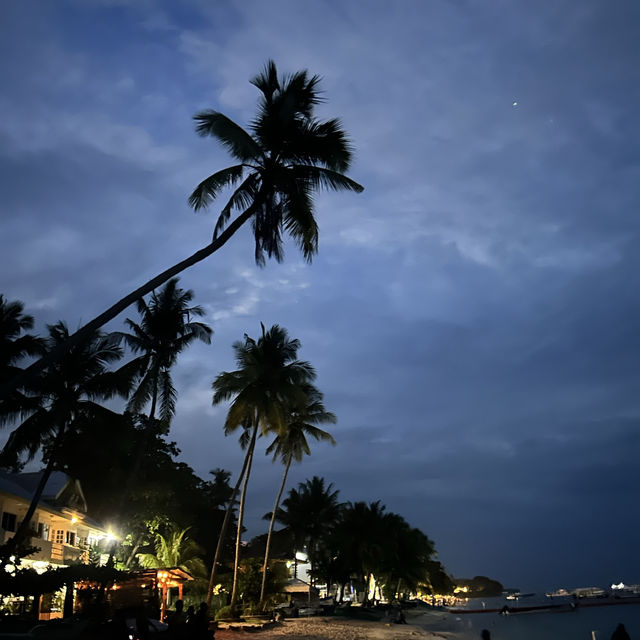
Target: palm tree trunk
point(273, 519)
point(54, 355)
point(142, 443)
point(132, 555)
point(234, 590)
point(23, 529)
point(225, 526)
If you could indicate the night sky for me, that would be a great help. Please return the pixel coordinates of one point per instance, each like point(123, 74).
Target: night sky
point(473, 315)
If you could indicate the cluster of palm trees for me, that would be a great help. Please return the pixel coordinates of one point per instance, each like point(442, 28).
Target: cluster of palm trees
point(66, 399)
point(271, 392)
point(287, 155)
point(360, 543)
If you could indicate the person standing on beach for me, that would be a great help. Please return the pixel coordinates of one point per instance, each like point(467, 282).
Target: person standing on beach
point(620, 633)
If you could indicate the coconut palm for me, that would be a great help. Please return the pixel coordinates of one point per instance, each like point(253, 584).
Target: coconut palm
point(15, 346)
point(292, 445)
point(310, 512)
point(165, 330)
point(69, 394)
point(268, 381)
point(287, 155)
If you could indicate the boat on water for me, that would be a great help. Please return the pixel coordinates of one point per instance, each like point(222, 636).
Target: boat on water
point(622, 590)
point(589, 592)
point(518, 595)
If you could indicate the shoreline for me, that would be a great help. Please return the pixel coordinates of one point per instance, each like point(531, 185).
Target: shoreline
point(331, 628)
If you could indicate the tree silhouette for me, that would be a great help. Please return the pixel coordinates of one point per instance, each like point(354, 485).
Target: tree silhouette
point(268, 381)
point(290, 156)
point(291, 444)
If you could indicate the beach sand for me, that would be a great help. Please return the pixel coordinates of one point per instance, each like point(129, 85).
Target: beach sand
point(335, 629)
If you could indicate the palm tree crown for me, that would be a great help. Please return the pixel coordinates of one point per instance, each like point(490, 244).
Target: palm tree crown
point(69, 392)
point(164, 331)
point(269, 380)
point(290, 155)
point(291, 444)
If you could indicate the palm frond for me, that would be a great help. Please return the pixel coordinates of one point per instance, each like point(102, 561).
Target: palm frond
point(241, 198)
point(300, 222)
point(142, 393)
point(208, 189)
point(168, 397)
point(232, 136)
point(29, 435)
point(267, 81)
point(323, 178)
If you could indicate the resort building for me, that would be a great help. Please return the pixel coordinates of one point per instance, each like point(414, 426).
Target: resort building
point(61, 528)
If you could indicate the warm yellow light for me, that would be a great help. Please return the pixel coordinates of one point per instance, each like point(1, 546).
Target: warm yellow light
point(74, 520)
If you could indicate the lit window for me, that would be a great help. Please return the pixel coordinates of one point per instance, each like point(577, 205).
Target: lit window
point(71, 538)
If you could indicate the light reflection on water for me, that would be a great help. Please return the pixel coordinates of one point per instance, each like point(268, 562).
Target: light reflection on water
point(572, 625)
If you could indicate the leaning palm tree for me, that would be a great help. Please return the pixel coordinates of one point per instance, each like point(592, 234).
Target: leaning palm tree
point(15, 346)
point(268, 381)
point(284, 158)
point(291, 445)
point(69, 394)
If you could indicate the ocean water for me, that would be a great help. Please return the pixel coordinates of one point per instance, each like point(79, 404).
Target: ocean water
point(571, 625)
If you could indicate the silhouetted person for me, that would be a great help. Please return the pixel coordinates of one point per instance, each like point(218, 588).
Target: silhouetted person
point(191, 621)
point(177, 622)
point(485, 635)
point(142, 624)
point(620, 633)
point(117, 628)
point(201, 626)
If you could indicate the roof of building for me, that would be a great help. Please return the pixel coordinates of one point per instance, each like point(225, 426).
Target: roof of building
point(60, 494)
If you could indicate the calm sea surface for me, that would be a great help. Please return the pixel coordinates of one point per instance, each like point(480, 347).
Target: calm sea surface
point(573, 625)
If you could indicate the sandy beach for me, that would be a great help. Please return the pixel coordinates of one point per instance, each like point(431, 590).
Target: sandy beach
point(323, 628)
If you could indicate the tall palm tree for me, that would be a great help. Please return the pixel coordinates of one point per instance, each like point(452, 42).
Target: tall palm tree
point(268, 381)
point(15, 346)
point(165, 329)
point(69, 394)
point(287, 156)
point(292, 445)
